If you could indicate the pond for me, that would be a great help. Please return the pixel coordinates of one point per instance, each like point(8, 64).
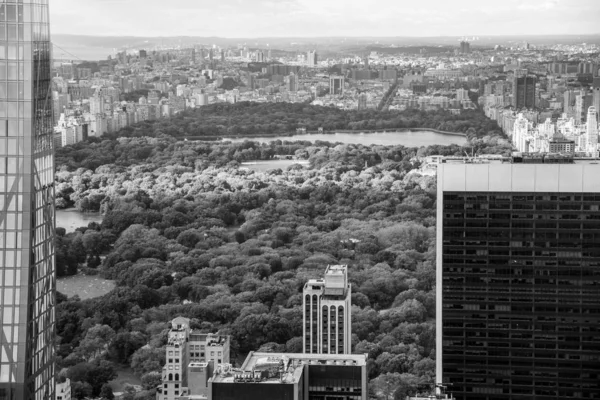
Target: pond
point(265, 165)
point(85, 286)
point(71, 219)
point(407, 138)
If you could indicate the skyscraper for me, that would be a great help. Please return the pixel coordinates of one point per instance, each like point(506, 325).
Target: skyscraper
point(27, 267)
point(591, 131)
point(336, 85)
point(327, 311)
point(518, 271)
point(596, 94)
point(362, 101)
point(524, 92)
point(465, 47)
point(311, 58)
point(292, 83)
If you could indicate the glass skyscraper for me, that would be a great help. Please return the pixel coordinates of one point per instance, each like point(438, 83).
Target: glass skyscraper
point(27, 269)
point(518, 281)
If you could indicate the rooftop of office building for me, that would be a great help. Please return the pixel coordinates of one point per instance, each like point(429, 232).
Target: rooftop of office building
point(334, 283)
point(517, 158)
point(211, 339)
point(282, 368)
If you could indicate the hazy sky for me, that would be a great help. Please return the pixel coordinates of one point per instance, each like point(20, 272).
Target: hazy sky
point(306, 18)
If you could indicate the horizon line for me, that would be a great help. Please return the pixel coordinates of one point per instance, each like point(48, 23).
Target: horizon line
point(322, 37)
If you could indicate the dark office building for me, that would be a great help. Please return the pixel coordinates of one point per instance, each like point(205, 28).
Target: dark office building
point(518, 280)
point(524, 92)
point(27, 267)
point(465, 47)
point(289, 376)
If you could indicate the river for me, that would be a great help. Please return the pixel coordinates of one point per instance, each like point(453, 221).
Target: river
point(71, 219)
point(408, 139)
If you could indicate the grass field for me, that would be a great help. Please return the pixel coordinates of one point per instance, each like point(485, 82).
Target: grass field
point(85, 286)
point(125, 376)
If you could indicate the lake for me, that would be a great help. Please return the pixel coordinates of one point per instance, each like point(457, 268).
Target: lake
point(408, 139)
point(71, 219)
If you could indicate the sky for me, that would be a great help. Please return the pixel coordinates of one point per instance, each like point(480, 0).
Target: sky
point(314, 18)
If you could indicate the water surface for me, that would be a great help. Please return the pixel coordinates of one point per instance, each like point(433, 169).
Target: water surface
point(71, 219)
point(408, 139)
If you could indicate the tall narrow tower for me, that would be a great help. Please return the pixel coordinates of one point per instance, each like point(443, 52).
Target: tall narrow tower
point(591, 134)
point(327, 311)
point(27, 270)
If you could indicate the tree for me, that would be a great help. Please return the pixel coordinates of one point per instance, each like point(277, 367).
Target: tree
point(385, 385)
point(94, 374)
point(81, 390)
point(106, 392)
point(147, 360)
point(151, 380)
point(124, 345)
point(95, 342)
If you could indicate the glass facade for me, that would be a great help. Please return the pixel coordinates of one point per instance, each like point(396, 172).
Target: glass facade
point(27, 270)
point(521, 295)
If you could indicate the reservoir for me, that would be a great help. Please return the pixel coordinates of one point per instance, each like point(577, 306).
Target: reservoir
point(405, 138)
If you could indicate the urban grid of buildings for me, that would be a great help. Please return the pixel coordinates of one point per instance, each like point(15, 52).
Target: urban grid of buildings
point(551, 85)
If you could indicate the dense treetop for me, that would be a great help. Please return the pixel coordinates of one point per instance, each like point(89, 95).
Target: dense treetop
point(248, 118)
point(188, 231)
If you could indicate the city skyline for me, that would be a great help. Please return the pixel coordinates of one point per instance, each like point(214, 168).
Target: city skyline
point(311, 18)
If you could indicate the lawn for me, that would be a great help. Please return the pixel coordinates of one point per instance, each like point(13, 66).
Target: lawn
point(85, 286)
point(125, 377)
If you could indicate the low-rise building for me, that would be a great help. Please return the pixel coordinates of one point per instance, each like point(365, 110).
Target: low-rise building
point(63, 390)
point(293, 376)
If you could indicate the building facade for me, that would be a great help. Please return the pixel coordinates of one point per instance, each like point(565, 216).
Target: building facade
point(336, 85)
point(63, 390)
point(290, 376)
point(327, 313)
point(26, 203)
point(190, 358)
point(518, 271)
point(524, 92)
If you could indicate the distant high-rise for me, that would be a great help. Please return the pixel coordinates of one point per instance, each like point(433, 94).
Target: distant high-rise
point(583, 101)
point(596, 94)
point(524, 92)
point(362, 101)
point(591, 131)
point(143, 54)
point(327, 313)
point(569, 101)
point(518, 310)
point(292, 82)
point(336, 85)
point(312, 58)
point(259, 56)
point(27, 255)
point(465, 47)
